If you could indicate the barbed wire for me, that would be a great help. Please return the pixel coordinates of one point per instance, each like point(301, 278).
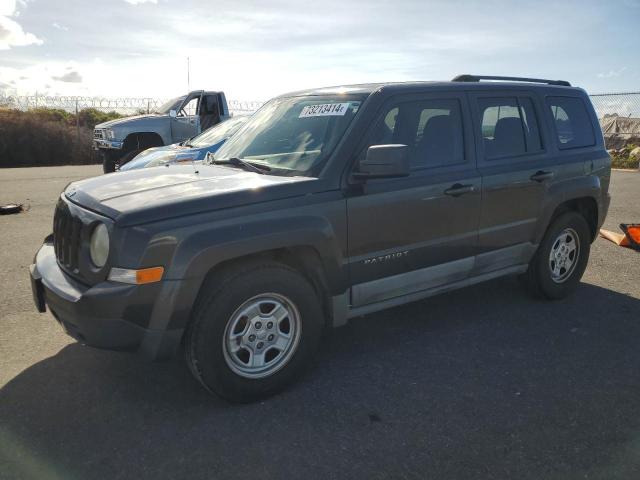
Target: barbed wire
point(123, 105)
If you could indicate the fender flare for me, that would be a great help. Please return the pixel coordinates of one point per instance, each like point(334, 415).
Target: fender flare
point(565, 191)
point(197, 255)
point(133, 136)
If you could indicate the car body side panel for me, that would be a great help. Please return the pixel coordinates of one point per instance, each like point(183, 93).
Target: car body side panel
point(579, 173)
point(570, 189)
point(511, 200)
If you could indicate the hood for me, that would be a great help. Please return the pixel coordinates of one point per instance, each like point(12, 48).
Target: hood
point(121, 121)
point(151, 194)
point(159, 156)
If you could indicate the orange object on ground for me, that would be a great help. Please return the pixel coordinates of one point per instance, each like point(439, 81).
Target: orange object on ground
point(615, 237)
point(630, 238)
point(632, 232)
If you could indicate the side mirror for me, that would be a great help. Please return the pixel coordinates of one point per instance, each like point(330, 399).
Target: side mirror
point(384, 161)
point(173, 113)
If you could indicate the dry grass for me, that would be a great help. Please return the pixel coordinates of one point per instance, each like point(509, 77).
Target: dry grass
point(46, 137)
point(621, 158)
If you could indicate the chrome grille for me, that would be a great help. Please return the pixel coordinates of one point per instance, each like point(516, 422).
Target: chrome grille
point(98, 133)
point(66, 237)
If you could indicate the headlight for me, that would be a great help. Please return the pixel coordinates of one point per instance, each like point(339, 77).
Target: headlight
point(99, 246)
point(110, 134)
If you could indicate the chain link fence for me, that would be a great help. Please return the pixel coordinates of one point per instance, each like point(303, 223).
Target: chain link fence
point(619, 115)
point(122, 105)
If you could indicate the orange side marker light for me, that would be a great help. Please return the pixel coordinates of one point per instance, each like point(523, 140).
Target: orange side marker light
point(149, 275)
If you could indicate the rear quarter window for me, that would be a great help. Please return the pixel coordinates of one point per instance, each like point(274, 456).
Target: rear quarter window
point(572, 122)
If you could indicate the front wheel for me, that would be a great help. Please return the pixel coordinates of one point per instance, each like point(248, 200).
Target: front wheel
point(561, 259)
point(109, 161)
point(254, 330)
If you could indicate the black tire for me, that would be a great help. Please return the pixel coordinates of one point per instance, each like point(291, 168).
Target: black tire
point(108, 162)
point(539, 278)
point(219, 303)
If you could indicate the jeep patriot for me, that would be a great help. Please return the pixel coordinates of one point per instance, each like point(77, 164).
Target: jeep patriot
point(328, 204)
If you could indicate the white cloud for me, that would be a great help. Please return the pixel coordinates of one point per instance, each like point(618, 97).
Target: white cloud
point(60, 26)
point(7, 7)
point(69, 77)
point(136, 2)
point(11, 33)
point(612, 73)
point(66, 77)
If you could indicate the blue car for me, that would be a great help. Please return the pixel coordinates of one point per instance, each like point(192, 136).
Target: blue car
point(192, 150)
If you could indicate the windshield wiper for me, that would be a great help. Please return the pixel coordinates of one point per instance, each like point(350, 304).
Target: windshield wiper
point(238, 162)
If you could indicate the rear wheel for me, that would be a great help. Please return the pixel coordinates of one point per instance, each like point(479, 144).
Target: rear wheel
point(561, 259)
point(255, 329)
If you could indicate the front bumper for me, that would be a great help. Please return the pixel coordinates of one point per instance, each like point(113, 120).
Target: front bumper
point(107, 144)
point(108, 315)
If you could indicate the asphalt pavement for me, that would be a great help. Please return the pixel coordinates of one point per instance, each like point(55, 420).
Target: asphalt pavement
point(481, 383)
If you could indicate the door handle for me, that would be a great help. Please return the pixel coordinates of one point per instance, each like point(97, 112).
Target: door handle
point(458, 189)
point(541, 176)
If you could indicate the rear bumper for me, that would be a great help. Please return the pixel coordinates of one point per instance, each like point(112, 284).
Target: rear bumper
point(108, 315)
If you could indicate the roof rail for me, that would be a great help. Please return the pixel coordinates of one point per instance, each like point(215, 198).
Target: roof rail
point(477, 78)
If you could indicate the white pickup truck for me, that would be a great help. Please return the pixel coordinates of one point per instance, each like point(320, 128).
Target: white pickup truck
point(118, 141)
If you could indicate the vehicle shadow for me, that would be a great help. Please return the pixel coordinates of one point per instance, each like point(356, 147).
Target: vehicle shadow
point(480, 383)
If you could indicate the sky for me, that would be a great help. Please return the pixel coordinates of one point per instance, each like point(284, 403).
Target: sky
point(254, 49)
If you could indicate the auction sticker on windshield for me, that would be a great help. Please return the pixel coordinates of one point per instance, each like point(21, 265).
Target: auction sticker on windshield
point(324, 110)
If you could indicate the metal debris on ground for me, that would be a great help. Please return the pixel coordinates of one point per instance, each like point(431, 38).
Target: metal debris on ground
point(11, 208)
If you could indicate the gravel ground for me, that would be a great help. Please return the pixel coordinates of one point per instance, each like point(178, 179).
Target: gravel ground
point(479, 383)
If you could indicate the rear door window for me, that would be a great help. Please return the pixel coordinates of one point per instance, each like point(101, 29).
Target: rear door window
point(572, 122)
point(509, 127)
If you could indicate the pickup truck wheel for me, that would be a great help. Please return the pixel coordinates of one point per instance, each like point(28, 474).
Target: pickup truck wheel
point(254, 331)
point(108, 162)
point(561, 259)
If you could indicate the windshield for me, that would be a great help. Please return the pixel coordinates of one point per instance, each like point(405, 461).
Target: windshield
point(172, 104)
point(217, 133)
point(293, 134)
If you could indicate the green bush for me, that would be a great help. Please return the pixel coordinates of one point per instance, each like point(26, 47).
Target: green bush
point(41, 137)
point(53, 115)
point(622, 158)
point(90, 117)
point(49, 136)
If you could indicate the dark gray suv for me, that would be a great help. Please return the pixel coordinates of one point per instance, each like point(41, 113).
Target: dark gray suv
point(328, 204)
